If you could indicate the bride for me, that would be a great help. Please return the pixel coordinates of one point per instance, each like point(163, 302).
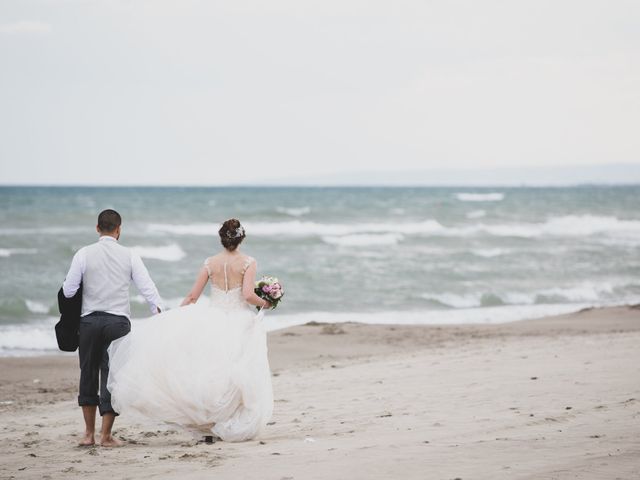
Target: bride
point(202, 367)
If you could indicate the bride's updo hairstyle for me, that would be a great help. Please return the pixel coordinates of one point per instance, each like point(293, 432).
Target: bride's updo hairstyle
point(231, 234)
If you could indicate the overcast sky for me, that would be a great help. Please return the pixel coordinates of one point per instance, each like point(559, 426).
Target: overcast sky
point(213, 92)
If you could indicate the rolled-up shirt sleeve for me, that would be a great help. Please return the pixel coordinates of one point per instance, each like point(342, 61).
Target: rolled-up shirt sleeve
point(144, 284)
point(73, 279)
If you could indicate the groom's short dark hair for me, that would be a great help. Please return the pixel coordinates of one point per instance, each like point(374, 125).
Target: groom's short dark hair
point(109, 220)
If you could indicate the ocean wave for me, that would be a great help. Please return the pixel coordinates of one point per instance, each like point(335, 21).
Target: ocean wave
point(426, 227)
point(35, 338)
point(167, 253)
point(197, 229)
point(36, 307)
point(294, 212)
point(564, 226)
point(470, 300)
point(603, 292)
point(453, 300)
point(587, 292)
point(488, 315)
point(7, 252)
point(14, 308)
point(576, 225)
point(476, 214)
point(490, 252)
point(480, 197)
point(363, 240)
point(299, 228)
point(62, 231)
point(568, 226)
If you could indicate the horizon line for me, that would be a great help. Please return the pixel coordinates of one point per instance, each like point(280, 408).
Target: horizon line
point(327, 185)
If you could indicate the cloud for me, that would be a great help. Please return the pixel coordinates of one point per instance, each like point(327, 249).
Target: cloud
point(18, 28)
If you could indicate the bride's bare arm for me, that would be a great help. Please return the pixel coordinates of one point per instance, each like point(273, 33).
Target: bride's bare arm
point(248, 283)
point(198, 286)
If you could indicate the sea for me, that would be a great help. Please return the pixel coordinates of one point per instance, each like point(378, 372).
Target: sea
point(371, 255)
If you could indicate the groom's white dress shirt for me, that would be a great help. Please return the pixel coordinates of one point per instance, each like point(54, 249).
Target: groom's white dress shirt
point(106, 270)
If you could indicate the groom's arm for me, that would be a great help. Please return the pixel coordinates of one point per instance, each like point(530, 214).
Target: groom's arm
point(74, 275)
point(144, 284)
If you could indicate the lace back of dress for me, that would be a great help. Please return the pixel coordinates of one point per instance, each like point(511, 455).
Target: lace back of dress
point(226, 272)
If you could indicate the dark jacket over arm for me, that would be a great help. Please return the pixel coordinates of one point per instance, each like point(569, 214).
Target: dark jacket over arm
point(67, 327)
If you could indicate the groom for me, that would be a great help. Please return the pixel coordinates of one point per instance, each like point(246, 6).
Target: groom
point(105, 269)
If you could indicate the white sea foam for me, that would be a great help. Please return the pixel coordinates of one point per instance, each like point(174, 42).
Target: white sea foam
point(363, 240)
point(585, 292)
point(28, 339)
point(7, 252)
point(625, 241)
point(476, 214)
point(44, 231)
point(568, 225)
point(36, 307)
point(491, 315)
point(294, 212)
point(168, 253)
point(299, 228)
point(480, 197)
point(577, 225)
point(489, 252)
point(565, 226)
point(198, 229)
point(454, 300)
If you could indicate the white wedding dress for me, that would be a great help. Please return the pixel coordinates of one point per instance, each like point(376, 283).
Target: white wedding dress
point(202, 367)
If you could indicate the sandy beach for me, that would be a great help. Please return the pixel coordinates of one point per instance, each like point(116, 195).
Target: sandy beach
point(554, 398)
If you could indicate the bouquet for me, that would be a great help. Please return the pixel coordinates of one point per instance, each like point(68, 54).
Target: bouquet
point(269, 289)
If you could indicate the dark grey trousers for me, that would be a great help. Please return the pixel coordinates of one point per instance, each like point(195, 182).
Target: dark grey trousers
point(97, 331)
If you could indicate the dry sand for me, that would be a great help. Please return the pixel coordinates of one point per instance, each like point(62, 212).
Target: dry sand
point(555, 398)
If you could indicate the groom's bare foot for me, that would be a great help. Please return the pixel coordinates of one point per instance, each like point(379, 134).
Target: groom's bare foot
point(88, 440)
point(110, 442)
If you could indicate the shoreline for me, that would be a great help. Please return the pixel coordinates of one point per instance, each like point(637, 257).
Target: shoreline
point(55, 375)
point(41, 331)
point(389, 401)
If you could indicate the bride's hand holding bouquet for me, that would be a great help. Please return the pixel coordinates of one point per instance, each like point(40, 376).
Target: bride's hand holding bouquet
point(269, 289)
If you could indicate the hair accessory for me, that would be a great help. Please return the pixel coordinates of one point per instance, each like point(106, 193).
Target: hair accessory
point(239, 232)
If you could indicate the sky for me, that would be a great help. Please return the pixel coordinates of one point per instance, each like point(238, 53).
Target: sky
point(155, 92)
